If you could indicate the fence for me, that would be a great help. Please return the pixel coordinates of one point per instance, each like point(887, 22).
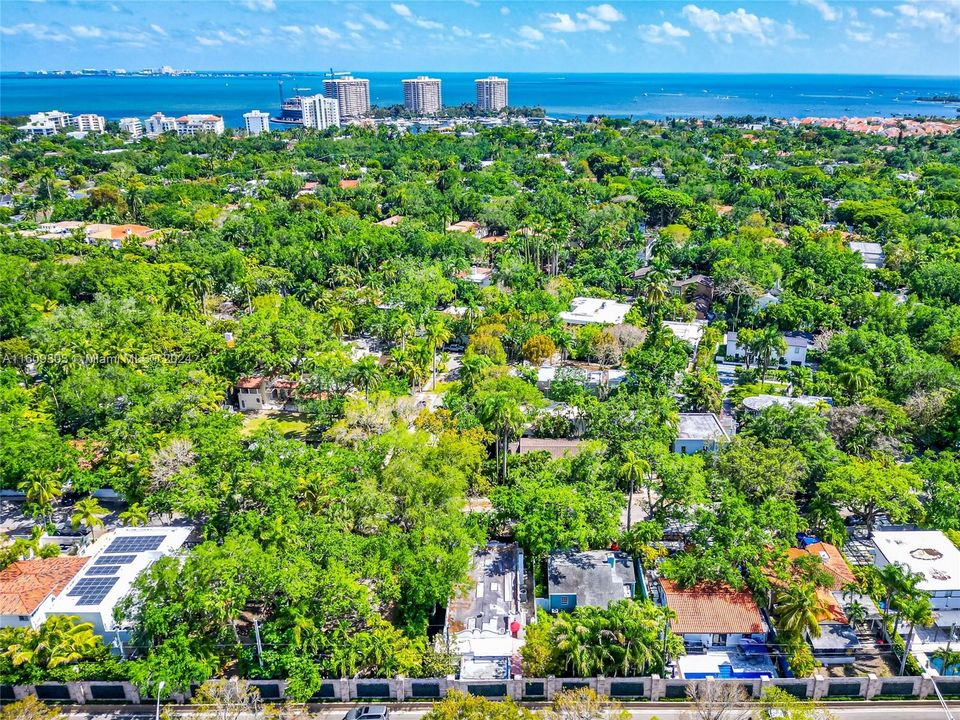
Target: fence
point(518, 688)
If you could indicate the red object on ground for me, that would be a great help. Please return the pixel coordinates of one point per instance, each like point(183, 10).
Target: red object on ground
point(514, 628)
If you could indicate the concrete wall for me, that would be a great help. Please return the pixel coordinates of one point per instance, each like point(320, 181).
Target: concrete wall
point(402, 689)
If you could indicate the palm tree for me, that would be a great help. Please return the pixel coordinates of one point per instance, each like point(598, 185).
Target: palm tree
point(366, 374)
point(655, 294)
point(917, 611)
point(341, 322)
point(897, 580)
point(437, 334)
point(87, 512)
point(856, 612)
point(799, 609)
point(854, 378)
point(502, 416)
point(766, 344)
point(949, 660)
point(471, 371)
point(200, 286)
point(41, 488)
point(633, 468)
point(136, 514)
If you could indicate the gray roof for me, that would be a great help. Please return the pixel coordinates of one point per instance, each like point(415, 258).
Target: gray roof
point(491, 597)
point(835, 637)
point(596, 577)
point(557, 447)
point(700, 426)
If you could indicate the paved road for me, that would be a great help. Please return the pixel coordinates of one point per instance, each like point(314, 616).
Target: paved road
point(645, 711)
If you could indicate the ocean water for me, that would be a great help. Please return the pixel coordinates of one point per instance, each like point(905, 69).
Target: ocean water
point(566, 95)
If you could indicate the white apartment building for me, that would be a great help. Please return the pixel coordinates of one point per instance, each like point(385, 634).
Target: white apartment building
point(158, 123)
point(46, 123)
point(90, 123)
point(352, 94)
point(422, 95)
point(256, 122)
point(193, 124)
point(491, 93)
point(320, 112)
point(132, 126)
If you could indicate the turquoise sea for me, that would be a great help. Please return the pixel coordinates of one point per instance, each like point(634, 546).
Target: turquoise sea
point(647, 96)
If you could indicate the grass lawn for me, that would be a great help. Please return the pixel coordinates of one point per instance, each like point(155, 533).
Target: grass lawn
point(291, 425)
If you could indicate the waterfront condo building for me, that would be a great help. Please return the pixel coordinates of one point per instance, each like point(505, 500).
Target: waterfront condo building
point(47, 123)
point(193, 124)
point(422, 95)
point(352, 95)
point(491, 93)
point(256, 122)
point(158, 123)
point(320, 112)
point(90, 123)
point(132, 126)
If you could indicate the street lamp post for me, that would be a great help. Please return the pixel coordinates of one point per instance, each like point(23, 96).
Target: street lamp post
point(159, 689)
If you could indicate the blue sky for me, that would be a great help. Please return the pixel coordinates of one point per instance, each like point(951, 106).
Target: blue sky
point(917, 37)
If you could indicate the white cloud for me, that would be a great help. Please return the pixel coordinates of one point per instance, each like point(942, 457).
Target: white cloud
point(291, 29)
point(861, 36)
point(596, 17)
point(474, 3)
point(664, 34)
point(880, 12)
point(427, 24)
point(460, 32)
point(739, 23)
point(207, 42)
point(158, 30)
point(325, 32)
point(37, 32)
point(86, 31)
point(530, 33)
point(374, 22)
point(504, 10)
point(401, 10)
point(259, 5)
point(353, 25)
point(827, 11)
point(942, 18)
point(606, 13)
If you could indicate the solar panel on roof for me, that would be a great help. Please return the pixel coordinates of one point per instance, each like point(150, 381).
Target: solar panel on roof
point(91, 591)
point(106, 559)
point(103, 570)
point(135, 544)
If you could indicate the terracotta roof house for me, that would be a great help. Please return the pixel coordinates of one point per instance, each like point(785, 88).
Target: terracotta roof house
point(709, 611)
point(832, 560)
point(349, 184)
point(391, 221)
point(28, 587)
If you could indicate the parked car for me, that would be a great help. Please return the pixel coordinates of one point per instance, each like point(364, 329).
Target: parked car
point(368, 712)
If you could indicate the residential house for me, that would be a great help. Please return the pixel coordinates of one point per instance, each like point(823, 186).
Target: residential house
point(832, 559)
point(797, 345)
point(697, 432)
point(697, 289)
point(871, 254)
point(349, 184)
point(587, 310)
point(115, 560)
point(485, 624)
point(766, 300)
point(466, 226)
point(391, 221)
point(927, 552)
point(478, 275)
point(593, 578)
point(556, 447)
point(722, 629)
point(593, 377)
point(29, 587)
point(689, 332)
point(256, 393)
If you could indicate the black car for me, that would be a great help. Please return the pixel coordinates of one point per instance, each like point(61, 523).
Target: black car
point(368, 712)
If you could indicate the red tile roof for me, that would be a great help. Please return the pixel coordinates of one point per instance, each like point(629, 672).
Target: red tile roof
point(249, 383)
point(25, 584)
point(709, 608)
point(832, 559)
point(347, 184)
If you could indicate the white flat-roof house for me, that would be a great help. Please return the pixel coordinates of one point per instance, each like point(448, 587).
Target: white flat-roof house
point(797, 345)
point(113, 562)
point(587, 310)
point(871, 254)
point(697, 432)
point(691, 332)
point(928, 552)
